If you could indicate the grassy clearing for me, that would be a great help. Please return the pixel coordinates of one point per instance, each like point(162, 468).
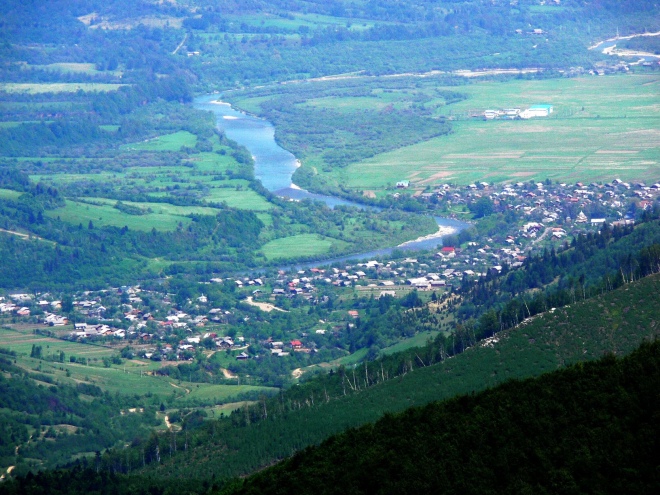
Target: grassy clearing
point(220, 393)
point(244, 199)
point(168, 142)
point(159, 208)
point(36, 88)
point(302, 20)
point(9, 194)
point(602, 128)
point(378, 102)
point(74, 67)
point(354, 358)
point(22, 342)
point(419, 340)
point(106, 215)
point(298, 246)
point(133, 376)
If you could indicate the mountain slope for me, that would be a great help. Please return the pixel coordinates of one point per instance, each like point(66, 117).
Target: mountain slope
point(615, 322)
point(590, 428)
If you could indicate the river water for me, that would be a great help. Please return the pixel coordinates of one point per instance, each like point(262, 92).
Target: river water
point(274, 166)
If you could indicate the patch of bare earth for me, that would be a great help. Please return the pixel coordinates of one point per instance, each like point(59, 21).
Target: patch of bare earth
point(228, 374)
point(267, 307)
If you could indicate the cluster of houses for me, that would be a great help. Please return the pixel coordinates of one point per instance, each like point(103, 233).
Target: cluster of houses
point(554, 202)
point(85, 331)
point(544, 213)
point(541, 110)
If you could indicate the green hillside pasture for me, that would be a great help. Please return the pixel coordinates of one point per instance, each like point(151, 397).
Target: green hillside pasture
point(37, 88)
point(243, 199)
point(168, 142)
point(22, 341)
point(213, 162)
point(106, 215)
point(73, 67)
point(220, 393)
point(298, 246)
point(307, 20)
point(418, 340)
point(615, 136)
point(159, 208)
point(130, 377)
point(61, 179)
point(9, 194)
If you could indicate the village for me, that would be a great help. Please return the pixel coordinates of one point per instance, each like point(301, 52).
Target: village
point(245, 317)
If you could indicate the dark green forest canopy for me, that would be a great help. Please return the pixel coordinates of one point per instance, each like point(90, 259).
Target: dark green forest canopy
point(591, 428)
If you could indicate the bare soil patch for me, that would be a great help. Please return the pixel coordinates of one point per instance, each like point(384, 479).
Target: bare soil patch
point(267, 307)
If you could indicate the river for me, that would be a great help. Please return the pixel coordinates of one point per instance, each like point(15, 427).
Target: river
point(274, 166)
point(608, 47)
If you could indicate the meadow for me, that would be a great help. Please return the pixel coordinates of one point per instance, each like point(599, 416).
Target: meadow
point(299, 246)
point(132, 375)
point(602, 128)
point(101, 215)
point(295, 21)
point(168, 142)
point(36, 88)
point(9, 194)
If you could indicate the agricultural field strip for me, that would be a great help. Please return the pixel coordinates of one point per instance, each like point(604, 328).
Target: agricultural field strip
point(114, 378)
point(619, 127)
point(37, 88)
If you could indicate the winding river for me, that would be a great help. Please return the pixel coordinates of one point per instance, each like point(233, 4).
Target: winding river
point(274, 166)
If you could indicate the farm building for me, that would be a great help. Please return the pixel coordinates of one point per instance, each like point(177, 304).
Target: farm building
point(536, 111)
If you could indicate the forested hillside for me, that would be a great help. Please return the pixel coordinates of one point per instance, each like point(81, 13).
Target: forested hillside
point(616, 322)
point(590, 428)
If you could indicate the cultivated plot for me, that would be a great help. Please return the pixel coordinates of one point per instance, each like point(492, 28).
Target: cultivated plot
point(602, 128)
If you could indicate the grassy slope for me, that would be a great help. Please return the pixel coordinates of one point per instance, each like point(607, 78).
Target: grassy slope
point(615, 322)
point(130, 377)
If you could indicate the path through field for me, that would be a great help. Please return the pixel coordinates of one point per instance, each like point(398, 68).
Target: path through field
point(182, 388)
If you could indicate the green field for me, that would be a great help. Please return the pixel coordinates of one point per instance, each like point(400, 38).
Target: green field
point(133, 376)
point(297, 20)
point(22, 342)
point(159, 208)
point(244, 199)
point(9, 194)
point(35, 88)
point(168, 142)
point(106, 215)
point(602, 128)
point(298, 246)
point(419, 340)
